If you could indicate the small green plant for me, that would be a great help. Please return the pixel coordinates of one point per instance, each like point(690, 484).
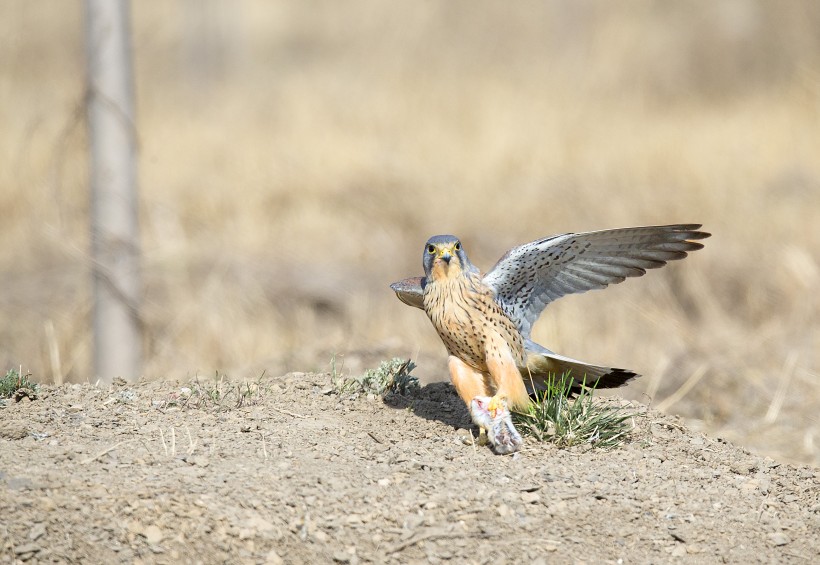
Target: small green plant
point(14, 381)
point(391, 377)
point(218, 393)
point(556, 417)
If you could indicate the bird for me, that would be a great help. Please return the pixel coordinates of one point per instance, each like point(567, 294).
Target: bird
point(485, 320)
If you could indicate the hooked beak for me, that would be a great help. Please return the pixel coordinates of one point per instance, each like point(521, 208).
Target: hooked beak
point(444, 255)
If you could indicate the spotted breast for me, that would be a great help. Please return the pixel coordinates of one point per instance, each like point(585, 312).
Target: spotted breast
point(469, 321)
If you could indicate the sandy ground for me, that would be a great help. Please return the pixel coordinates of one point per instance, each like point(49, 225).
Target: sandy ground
point(126, 474)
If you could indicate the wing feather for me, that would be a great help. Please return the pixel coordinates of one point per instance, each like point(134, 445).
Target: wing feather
point(532, 275)
point(410, 291)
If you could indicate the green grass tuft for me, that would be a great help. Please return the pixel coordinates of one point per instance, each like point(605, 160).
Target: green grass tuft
point(555, 417)
point(218, 393)
point(14, 381)
point(391, 377)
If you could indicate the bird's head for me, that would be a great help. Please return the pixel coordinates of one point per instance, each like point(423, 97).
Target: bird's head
point(444, 258)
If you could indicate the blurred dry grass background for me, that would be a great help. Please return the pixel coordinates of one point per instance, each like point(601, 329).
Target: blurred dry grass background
point(296, 155)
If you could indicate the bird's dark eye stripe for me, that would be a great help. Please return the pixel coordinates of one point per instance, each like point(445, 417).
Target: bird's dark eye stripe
point(431, 249)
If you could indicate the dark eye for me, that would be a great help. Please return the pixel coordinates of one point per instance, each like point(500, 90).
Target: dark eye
point(431, 249)
point(457, 246)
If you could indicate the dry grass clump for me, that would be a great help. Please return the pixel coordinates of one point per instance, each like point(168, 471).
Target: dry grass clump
point(391, 377)
point(216, 394)
point(558, 416)
point(14, 381)
point(295, 156)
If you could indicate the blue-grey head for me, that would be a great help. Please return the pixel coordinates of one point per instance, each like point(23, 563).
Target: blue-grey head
point(444, 258)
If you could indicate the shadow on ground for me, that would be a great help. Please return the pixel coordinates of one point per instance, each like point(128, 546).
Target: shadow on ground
point(436, 402)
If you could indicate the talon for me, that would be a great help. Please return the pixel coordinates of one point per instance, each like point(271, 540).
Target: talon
point(495, 424)
point(497, 404)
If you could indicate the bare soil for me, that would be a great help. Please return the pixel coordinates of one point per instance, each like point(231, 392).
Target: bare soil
point(298, 474)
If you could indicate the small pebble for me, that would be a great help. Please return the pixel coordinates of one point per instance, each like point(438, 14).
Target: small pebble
point(743, 467)
point(37, 531)
point(778, 538)
point(26, 548)
point(153, 534)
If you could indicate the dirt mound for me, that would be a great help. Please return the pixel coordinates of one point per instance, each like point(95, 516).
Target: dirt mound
point(290, 472)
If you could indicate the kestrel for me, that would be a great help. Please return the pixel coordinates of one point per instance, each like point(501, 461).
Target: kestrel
point(485, 320)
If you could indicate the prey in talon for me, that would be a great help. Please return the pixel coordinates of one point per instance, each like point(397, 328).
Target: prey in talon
point(485, 320)
point(496, 423)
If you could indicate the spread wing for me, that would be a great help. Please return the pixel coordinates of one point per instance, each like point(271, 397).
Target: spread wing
point(532, 275)
point(410, 291)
